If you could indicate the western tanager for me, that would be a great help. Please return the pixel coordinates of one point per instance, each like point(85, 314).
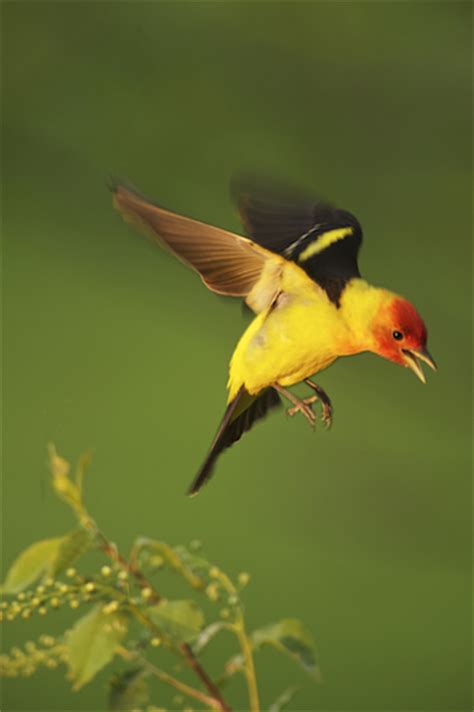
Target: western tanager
point(298, 272)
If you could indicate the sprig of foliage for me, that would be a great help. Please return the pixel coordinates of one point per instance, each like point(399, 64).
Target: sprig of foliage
point(122, 599)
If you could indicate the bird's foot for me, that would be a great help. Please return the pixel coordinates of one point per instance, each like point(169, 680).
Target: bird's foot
point(304, 406)
point(326, 404)
point(298, 404)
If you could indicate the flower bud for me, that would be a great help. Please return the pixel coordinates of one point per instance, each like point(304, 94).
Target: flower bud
point(46, 640)
point(244, 578)
point(110, 607)
point(212, 592)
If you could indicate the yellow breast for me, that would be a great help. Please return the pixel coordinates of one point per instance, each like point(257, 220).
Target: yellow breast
point(300, 334)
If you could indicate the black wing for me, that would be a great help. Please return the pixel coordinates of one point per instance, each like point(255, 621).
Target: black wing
point(322, 239)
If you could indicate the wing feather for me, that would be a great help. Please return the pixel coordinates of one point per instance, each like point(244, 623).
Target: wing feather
point(227, 263)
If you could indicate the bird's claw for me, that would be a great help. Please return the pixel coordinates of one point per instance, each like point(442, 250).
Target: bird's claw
point(304, 406)
point(326, 415)
point(301, 405)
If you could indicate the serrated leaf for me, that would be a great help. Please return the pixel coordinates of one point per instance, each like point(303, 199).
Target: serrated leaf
point(179, 620)
point(291, 637)
point(283, 700)
point(207, 634)
point(72, 546)
point(92, 642)
point(128, 690)
point(32, 563)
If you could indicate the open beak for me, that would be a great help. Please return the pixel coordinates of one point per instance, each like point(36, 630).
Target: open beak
point(412, 358)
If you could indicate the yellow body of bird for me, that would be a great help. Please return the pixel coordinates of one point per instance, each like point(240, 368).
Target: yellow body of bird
point(302, 333)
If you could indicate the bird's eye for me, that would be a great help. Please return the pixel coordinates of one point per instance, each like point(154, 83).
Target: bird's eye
point(397, 335)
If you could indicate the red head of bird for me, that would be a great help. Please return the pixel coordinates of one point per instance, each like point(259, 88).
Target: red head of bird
point(400, 335)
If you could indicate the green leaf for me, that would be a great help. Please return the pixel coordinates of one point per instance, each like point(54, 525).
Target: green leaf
point(63, 486)
point(291, 637)
point(178, 620)
point(72, 546)
point(32, 563)
point(92, 642)
point(283, 700)
point(128, 690)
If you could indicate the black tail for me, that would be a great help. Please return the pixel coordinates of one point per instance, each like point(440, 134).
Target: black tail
point(239, 417)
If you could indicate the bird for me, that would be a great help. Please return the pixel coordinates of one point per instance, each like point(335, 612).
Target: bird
point(297, 271)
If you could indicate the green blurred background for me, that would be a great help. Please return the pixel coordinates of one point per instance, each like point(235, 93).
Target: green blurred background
point(109, 343)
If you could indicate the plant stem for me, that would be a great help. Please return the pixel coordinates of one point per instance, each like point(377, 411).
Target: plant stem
point(249, 666)
point(245, 645)
point(182, 687)
point(170, 680)
point(193, 663)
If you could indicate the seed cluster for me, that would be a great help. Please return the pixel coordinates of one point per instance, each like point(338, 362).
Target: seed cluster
point(52, 594)
point(48, 652)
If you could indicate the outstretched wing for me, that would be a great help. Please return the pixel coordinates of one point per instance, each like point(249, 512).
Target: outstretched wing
point(227, 263)
point(322, 239)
